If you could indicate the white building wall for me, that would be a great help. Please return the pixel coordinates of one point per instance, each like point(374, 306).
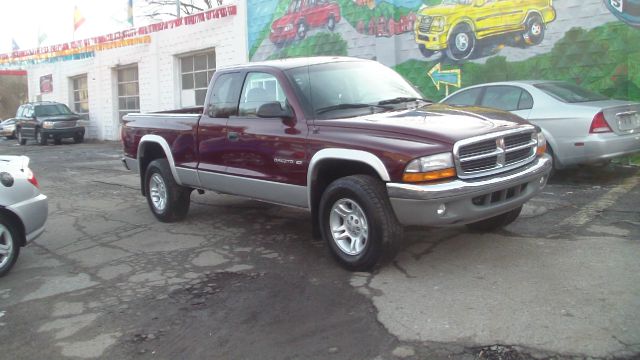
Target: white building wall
point(158, 69)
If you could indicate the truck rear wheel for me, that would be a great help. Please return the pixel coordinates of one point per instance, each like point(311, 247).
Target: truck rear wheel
point(496, 222)
point(168, 201)
point(358, 223)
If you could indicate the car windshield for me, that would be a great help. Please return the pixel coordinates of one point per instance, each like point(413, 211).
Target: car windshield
point(345, 89)
point(52, 110)
point(569, 93)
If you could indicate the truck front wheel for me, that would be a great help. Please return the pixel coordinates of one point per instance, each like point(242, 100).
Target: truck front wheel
point(168, 201)
point(358, 223)
point(496, 222)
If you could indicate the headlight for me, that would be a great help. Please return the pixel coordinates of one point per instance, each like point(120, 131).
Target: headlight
point(429, 168)
point(438, 23)
point(288, 27)
point(541, 148)
point(47, 124)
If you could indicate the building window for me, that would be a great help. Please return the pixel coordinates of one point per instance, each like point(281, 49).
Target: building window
point(80, 102)
point(196, 72)
point(128, 91)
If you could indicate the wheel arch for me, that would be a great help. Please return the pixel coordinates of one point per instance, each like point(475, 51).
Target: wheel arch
point(15, 219)
point(462, 21)
point(534, 12)
point(152, 147)
point(328, 165)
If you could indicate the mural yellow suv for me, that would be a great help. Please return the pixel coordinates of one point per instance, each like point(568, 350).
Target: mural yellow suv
point(456, 26)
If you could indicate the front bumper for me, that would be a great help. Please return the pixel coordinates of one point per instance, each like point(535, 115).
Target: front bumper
point(467, 201)
point(7, 132)
point(63, 133)
point(33, 213)
point(432, 41)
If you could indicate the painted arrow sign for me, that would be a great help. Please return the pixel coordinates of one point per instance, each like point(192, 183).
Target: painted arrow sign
point(446, 77)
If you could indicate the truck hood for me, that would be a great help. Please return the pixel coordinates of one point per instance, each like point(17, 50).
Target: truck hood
point(437, 122)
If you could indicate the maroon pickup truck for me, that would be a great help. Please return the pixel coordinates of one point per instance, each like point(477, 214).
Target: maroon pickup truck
point(348, 139)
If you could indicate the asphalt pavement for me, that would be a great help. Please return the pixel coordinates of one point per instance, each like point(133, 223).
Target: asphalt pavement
point(240, 279)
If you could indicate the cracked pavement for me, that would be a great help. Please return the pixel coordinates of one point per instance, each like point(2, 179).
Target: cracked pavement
point(243, 279)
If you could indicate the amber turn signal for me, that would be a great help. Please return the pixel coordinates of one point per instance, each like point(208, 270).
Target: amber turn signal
point(428, 176)
point(541, 149)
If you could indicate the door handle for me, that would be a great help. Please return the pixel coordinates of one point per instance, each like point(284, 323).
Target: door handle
point(232, 136)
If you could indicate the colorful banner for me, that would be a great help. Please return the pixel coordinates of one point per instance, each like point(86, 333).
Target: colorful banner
point(80, 56)
point(96, 42)
point(75, 51)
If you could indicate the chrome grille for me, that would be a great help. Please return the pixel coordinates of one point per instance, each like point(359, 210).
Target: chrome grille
point(494, 153)
point(64, 124)
point(425, 24)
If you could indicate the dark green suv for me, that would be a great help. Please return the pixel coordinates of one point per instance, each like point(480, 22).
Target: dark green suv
point(45, 120)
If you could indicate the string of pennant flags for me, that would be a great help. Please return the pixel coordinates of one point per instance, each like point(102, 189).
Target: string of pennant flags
point(86, 48)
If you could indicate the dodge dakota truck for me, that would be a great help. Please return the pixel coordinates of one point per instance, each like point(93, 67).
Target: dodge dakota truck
point(347, 139)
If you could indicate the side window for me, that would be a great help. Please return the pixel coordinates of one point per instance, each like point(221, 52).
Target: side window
point(501, 97)
point(28, 112)
point(223, 101)
point(468, 97)
point(526, 101)
point(20, 111)
point(260, 88)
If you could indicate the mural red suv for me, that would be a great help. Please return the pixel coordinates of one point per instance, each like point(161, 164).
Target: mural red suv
point(301, 16)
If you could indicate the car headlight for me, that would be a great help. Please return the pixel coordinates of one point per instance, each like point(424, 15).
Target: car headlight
point(288, 27)
point(429, 168)
point(47, 124)
point(541, 147)
point(438, 23)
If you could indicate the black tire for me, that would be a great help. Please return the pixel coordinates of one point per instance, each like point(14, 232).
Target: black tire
point(57, 141)
point(21, 140)
point(79, 138)
point(554, 162)
point(331, 23)
point(383, 229)
point(461, 43)
point(176, 198)
point(8, 237)
point(301, 32)
point(534, 30)
point(424, 51)
point(496, 222)
point(42, 140)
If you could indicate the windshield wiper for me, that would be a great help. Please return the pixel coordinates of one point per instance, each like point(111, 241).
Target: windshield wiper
point(400, 100)
point(350, 106)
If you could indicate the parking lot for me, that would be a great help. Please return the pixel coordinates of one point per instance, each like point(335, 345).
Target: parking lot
point(241, 279)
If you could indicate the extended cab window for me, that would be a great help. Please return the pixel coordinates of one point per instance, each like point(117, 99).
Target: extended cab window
point(223, 101)
point(260, 88)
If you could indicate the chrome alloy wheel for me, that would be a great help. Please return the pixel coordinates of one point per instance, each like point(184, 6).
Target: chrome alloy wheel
point(6, 245)
point(158, 191)
point(462, 41)
point(536, 29)
point(349, 227)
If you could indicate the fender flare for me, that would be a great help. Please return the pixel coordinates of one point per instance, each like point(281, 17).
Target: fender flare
point(344, 154)
point(167, 151)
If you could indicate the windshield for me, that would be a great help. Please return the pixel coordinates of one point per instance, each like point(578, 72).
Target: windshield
point(52, 110)
point(345, 89)
point(457, 2)
point(569, 93)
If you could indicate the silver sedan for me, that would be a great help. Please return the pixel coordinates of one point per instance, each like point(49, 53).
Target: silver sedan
point(580, 126)
point(23, 209)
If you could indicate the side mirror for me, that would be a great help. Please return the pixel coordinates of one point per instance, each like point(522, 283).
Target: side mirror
point(274, 110)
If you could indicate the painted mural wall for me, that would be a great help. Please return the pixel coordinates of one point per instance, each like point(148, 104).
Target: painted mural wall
point(441, 45)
